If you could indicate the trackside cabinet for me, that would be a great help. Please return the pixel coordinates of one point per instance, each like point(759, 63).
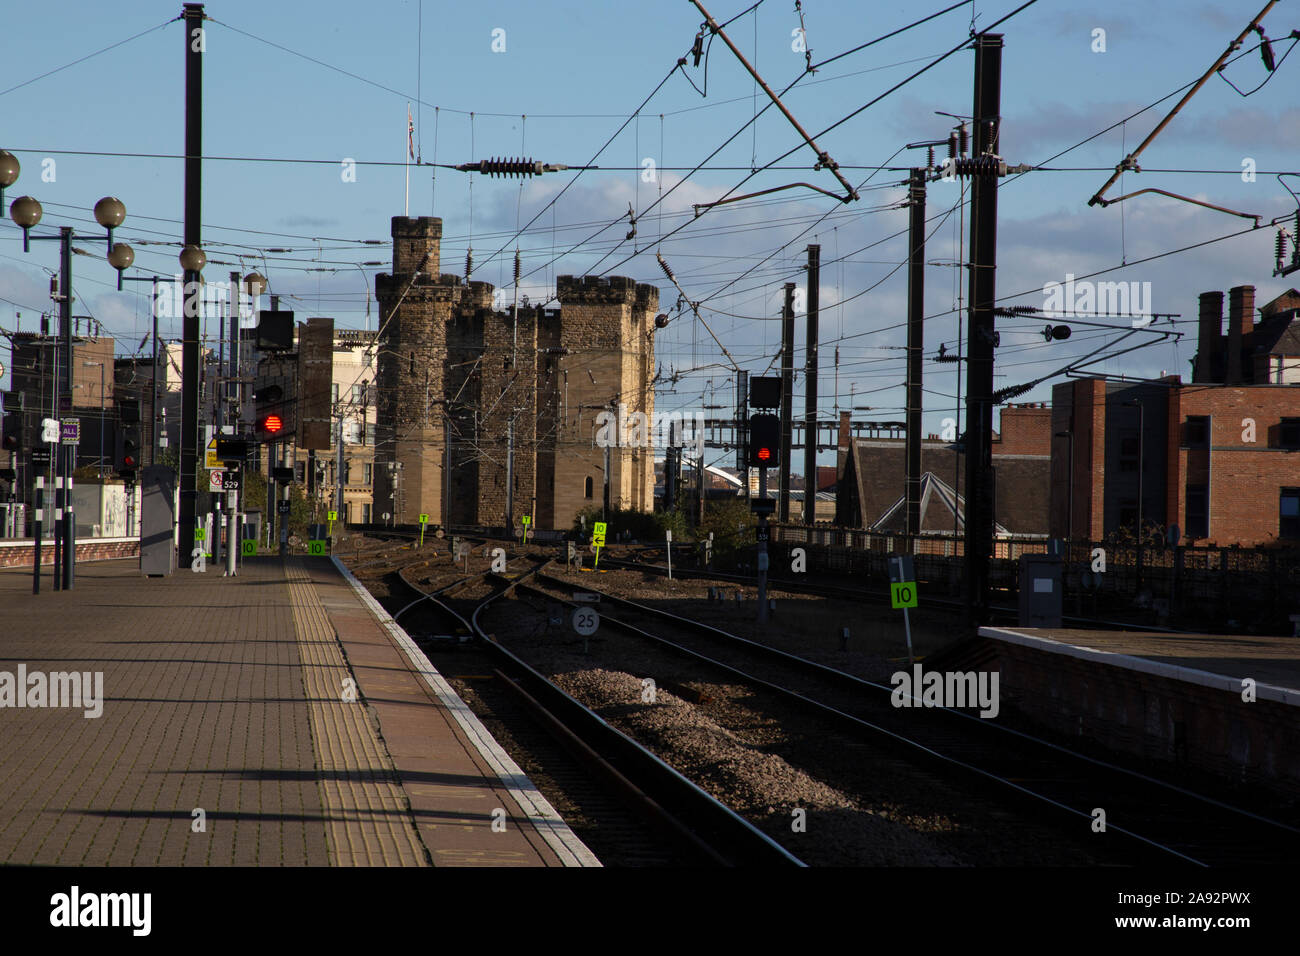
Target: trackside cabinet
point(1040, 590)
point(157, 520)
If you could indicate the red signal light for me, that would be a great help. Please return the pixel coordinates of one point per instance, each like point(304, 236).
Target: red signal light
point(272, 424)
point(765, 454)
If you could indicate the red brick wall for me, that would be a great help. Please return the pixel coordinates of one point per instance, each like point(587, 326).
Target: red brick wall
point(1245, 477)
point(17, 555)
point(1025, 430)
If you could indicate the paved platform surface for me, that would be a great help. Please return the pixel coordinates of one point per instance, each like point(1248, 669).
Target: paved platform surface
point(1273, 662)
point(276, 718)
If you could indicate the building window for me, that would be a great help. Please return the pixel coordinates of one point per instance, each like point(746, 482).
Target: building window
point(1289, 514)
point(357, 395)
point(588, 486)
point(365, 512)
point(1289, 433)
point(1198, 511)
point(369, 473)
point(1129, 450)
point(1198, 431)
point(334, 393)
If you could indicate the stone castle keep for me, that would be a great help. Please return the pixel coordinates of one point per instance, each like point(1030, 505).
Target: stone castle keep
point(472, 402)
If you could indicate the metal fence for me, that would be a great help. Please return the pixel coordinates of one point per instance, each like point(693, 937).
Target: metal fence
point(1196, 586)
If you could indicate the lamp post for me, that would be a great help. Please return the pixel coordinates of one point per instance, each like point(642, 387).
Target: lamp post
point(153, 405)
point(101, 413)
point(26, 212)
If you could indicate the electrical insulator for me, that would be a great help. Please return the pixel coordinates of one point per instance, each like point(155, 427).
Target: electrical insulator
point(516, 267)
point(664, 265)
point(981, 166)
point(509, 167)
point(469, 263)
point(1280, 246)
point(1006, 394)
point(961, 138)
point(952, 145)
point(929, 158)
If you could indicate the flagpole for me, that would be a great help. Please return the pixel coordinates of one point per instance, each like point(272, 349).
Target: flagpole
point(406, 207)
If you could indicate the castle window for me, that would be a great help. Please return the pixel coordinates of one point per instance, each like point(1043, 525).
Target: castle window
point(588, 486)
point(412, 363)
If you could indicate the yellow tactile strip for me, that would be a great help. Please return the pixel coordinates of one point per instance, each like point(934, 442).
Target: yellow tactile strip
point(369, 818)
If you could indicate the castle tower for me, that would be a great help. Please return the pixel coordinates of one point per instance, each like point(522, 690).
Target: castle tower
point(605, 364)
point(415, 305)
point(484, 417)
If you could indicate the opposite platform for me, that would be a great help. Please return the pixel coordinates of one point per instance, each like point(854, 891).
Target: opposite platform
point(271, 719)
point(1224, 704)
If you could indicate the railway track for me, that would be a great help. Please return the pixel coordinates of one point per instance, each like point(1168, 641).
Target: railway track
point(1154, 820)
point(609, 778)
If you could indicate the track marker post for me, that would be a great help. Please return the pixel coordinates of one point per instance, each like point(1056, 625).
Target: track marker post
point(902, 593)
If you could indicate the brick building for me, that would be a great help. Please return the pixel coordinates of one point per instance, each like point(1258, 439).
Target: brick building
point(31, 397)
point(486, 416)
point(872, 484)
point(1219, 457)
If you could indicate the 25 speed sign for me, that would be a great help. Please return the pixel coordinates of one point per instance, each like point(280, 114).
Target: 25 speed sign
point(585, 621)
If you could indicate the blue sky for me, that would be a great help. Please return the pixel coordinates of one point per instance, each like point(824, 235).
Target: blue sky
point(570, 75)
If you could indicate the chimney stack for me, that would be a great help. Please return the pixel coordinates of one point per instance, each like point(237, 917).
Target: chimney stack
point(1241, 323)
point(1210, 340)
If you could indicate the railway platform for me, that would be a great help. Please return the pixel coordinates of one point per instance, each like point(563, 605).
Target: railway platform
point(1228, 705)
point(277, 718)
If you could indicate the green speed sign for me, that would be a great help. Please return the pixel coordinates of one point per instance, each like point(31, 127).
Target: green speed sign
point(902, 594)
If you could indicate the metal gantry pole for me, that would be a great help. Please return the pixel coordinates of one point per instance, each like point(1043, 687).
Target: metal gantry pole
point(193, 16)
point(810, 388)
point(980, 328)
point(762, 548)
point(67, 453)
point(787, 403)
point(153, 405)
point(915, 345)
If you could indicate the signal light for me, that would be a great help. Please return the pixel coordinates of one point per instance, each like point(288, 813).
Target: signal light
point(764, 441)
point(128, 451)
point(270, 424)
